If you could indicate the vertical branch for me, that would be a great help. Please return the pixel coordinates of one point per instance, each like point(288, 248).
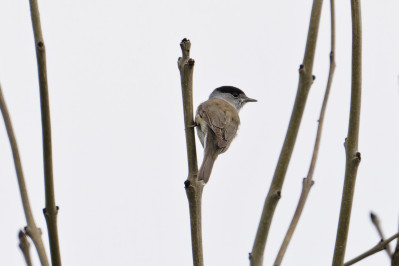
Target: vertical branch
point(193, 187)
point(274, 194)
point(51, 210)
point(24, 246)
point(308, 181)
point(351, 143)
point(31, 229)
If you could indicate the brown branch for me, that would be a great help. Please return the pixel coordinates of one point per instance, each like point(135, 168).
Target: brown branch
point(305, 82)
point(380, 246)
point(376, 222)
point(24, 246)
point(351, 143)
point(51, 210)
point(395, 256)
point(308, 181)
point(31, 229)
point(193, 187)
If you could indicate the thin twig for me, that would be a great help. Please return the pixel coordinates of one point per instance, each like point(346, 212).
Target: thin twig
point(308, 181)
point(51, 210)
point(380, 246)
point(24, 246)
point(395, 256)
point(274, 194)
point(376, 222)
point(31, 229)
point(193, 187)
point(351, 143)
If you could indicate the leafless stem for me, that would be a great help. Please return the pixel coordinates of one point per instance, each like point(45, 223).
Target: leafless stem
point(193, 187)
point(395, 256)
point(308, 181)
point(376, 222)
point(31, 229)
point(305, 82)
point(24, 246)
point(380, 246)
point(51, 210)
point(351, 143)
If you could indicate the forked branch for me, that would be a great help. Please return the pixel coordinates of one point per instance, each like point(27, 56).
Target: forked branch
point(305, 82)
point(380, 246)
point(31, 229)
point(308, 181)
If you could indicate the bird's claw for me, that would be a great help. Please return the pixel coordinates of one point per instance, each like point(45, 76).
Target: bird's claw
point(193, 125)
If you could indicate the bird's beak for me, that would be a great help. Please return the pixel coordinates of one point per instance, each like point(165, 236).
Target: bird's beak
point(247, 100)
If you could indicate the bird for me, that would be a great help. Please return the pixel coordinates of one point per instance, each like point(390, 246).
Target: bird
point(217, 122)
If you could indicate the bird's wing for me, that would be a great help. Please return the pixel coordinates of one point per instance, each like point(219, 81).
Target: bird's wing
point(222, 119)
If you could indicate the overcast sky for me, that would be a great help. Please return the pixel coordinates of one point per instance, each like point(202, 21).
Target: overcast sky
point(118, 132)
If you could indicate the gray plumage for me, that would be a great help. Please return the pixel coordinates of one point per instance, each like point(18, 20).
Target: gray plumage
point(217, 124)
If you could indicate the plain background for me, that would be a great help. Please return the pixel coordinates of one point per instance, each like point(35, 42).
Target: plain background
point(118, 132)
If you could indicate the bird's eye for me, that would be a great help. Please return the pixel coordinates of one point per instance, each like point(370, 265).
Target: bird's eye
point(235, 95)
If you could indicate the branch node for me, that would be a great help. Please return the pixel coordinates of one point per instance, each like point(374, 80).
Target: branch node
point(187, 183)
point(277, 195)
point(358, 157)
point(40, 45)
point(301, 68)
point(313, 77)
point(191, 62)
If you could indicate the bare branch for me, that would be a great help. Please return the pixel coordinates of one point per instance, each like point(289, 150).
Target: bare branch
point(305, 82)
point(351, 144)
point(395, 256)
point(51, 210)
point(31, 229)
point(376, 222)
point(24, 246)
point(308, 181)
point(380, 246)
point(193, 187)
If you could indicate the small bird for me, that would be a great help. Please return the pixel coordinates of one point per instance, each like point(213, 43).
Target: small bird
point(217, 123)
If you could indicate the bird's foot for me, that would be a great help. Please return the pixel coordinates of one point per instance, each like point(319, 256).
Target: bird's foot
point(194, 125)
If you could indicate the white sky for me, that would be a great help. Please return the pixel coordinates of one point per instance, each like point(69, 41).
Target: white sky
point(118, 132)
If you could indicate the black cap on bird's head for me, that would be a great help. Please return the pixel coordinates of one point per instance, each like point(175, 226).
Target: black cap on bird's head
point(233, 95)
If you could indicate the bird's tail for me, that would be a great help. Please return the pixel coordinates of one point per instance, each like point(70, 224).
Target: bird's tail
point(210, 155)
